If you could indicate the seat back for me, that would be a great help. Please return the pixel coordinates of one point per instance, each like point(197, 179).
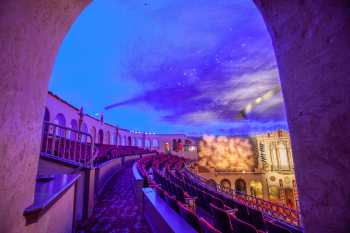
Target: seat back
point(179, 194)
point(189, 216)
point(216, 201)
point(240, 226)
point(256, 219)
point(160, 192)
point(274, 228)
point(221, 219)
point(171, 202)
point(207, 227)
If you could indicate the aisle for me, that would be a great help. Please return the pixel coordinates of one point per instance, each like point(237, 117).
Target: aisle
point(116, 210)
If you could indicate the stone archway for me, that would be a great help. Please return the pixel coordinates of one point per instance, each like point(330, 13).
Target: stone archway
point(312, 50)
point(226, 184)
point(240, 186)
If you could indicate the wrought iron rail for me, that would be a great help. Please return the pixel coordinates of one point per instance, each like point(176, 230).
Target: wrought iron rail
point(67, 144)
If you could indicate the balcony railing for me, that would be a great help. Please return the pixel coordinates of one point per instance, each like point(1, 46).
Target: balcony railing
point(273, 210)
point(67, 144)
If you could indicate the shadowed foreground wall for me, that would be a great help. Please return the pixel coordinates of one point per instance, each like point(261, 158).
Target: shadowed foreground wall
point(311, 41)
point(31, 32)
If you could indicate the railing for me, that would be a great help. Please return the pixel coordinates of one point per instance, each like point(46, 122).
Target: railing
point(67, 144)
point(276, 211)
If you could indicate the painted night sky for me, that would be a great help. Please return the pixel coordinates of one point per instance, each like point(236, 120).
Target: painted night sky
point(171, 66)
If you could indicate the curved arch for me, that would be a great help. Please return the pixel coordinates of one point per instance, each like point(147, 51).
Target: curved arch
point(225, 183)
point(147, 143)
point(108, 138)
point(47, 115)
point(61, 121)
point(93, 133)
point(155, 143)
point(100, 136)
point(274, 193)
point(84, 129)
point(174, 145)
point(283, 157)
point(256, 188)
point(114, 139)
point(240, 186)
point(74, 126)
point(139, 142)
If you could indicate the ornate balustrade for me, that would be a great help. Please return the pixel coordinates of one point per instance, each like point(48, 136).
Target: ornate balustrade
point(67, 144)
point(270, 209)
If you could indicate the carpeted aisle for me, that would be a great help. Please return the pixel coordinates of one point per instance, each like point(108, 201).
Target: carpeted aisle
point(116, 210)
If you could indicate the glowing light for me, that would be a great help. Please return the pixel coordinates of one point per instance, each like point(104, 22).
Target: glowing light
point(223, 153)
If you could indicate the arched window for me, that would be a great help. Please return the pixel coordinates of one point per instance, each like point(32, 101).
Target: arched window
point(74, 126)
point(240, 186)
point(46, 119)
point(47, 115)
point(225, 183)
point(256, 188)
point(61, 121)
point(120, 140)
point(100, 136)
point(274, 160)
point(108, 138)
point(93, 133)
point(84, 129)
point(114, 141)
point(179, 145)
point(274, 193)
point(139, 142)
point(155, 143)
point(283, 157)
point(129, 141)
point(147, 143)
point(174, 145)
point(289, 196)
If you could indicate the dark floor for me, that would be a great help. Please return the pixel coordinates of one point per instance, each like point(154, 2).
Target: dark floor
point(116, 210)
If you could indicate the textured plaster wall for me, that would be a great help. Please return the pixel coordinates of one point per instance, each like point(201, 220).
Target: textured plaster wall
point(31, 31)
point(311, 41)
point(59, 218)
point(105, 172)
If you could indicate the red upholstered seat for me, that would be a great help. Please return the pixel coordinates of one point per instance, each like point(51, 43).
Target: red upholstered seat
point(207, 227)
point(239, 226)
point(221, 219)
point(274, 228)
point(171, 201)
point(190, 216)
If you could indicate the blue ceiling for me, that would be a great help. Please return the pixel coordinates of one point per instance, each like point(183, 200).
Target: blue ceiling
point(172, 66)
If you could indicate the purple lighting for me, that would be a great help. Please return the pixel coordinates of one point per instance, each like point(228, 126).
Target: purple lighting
point(177, 67)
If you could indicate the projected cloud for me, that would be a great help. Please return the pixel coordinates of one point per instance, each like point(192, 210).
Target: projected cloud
point(172, 66)
point(227, 153)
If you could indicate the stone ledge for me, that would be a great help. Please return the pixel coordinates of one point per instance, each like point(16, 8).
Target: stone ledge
point(48, 193)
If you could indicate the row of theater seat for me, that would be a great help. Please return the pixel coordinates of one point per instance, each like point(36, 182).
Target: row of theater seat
point(108, 152)
point(181, 192)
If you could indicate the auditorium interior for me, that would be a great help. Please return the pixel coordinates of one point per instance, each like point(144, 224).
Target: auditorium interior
point(174, 116)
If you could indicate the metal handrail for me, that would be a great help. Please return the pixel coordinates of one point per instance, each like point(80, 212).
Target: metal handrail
point(274, 210)
point(67, 144)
